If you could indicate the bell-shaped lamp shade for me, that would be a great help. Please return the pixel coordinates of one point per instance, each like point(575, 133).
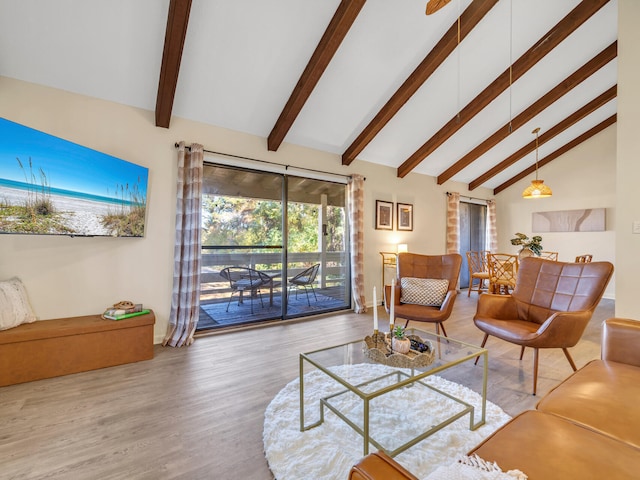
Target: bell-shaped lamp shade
point(537, 189)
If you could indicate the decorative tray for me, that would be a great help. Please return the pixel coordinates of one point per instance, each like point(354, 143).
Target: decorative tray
point(378, 349)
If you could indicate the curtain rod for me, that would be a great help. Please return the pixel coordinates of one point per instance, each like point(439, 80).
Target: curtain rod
point(470, 198)
point(268, 162)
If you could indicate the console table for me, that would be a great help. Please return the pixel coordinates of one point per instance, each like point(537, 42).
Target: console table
point(389, 262)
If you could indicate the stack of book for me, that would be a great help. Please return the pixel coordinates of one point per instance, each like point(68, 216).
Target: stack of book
point(119, 313)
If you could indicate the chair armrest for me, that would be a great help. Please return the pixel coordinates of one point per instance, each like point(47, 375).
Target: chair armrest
point(620, 340)
point(379, 466)
point(563, 329)
point(501, 307)
point(449, 299)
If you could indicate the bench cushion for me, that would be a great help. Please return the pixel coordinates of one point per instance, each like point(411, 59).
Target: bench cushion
point(50, 348)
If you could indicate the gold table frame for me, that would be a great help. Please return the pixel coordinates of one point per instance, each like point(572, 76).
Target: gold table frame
point(404, 379)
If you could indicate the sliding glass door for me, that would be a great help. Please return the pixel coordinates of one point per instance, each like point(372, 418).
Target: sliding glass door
point(473, 228)
point(273, 247)
point(317, 247)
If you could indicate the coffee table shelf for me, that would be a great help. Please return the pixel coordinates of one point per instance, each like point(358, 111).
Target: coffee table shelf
point(379, 390)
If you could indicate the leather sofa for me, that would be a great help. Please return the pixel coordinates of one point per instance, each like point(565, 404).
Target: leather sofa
point(587, 427)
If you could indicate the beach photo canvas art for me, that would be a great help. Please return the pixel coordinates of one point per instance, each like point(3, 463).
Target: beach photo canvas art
point(50, 186)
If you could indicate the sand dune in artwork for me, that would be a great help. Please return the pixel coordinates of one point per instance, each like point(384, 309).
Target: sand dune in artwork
point(80, 215)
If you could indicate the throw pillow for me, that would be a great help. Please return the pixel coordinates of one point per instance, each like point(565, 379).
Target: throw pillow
point(423, 291)
point(15, 308)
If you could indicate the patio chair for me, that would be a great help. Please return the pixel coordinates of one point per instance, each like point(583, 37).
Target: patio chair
point(244, 279)
point(305, 280)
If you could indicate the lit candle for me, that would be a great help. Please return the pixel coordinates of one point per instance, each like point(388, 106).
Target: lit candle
point(392, 307)
point(375, 310)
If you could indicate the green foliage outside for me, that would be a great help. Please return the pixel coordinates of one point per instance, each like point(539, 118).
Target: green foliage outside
point(229, 221)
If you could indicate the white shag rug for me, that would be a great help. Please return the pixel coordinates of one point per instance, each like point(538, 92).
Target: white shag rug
point(331, 449)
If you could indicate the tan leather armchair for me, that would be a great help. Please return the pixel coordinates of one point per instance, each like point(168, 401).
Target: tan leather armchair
point(425, 266)
point(549, 308)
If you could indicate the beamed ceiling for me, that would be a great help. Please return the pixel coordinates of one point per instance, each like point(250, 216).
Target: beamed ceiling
point(454, 95)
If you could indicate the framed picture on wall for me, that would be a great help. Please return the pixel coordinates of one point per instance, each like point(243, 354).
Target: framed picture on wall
point(384, 215)
point(405, 216)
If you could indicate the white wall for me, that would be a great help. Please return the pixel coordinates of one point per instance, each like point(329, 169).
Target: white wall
point(584, 177)
point(628, 160)
point(79, 276)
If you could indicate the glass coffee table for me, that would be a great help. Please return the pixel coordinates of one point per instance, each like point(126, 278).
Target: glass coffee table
point(361, 387)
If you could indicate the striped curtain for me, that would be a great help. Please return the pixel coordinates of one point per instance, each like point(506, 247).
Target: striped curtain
point(492, 229)
point(185, 298)
point(355, 189)
point(453, 222)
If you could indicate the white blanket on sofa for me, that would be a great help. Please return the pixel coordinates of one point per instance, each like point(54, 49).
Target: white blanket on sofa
point(474, 468)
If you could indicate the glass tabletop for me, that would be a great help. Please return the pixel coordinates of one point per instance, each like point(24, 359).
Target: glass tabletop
point(447, 353)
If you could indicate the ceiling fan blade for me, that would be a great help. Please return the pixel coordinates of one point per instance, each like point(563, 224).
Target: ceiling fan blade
point(434, 5)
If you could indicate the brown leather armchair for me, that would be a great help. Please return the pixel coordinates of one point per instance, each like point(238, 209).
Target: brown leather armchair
point(425, 266)
point(549, 308)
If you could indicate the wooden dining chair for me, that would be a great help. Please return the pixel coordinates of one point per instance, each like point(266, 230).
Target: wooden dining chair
point(549, 255)
point(503, 269)
point(478, 270)
point(586, 258)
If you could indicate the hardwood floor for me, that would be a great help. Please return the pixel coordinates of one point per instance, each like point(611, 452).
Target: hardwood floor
point(197, 412)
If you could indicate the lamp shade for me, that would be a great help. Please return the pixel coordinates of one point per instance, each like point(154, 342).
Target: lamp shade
point(537, 189)
point(403, 248)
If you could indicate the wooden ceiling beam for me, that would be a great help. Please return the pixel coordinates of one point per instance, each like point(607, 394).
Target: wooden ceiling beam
point(561, 151)
point(574, 19)
point(566, 85)
point(572, 119)
point(175, 34)
point(335, 33)
point(447, 44)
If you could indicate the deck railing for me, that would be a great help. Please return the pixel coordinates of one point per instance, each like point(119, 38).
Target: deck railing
point(334, 266)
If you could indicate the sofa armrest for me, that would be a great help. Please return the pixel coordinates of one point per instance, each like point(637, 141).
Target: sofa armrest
point(620, 340)
point(379, 466)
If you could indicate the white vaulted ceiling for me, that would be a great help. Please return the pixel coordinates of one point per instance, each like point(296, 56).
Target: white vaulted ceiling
point(242, 59)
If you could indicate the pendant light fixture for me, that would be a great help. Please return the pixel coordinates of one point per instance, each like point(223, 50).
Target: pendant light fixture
point(537, 189)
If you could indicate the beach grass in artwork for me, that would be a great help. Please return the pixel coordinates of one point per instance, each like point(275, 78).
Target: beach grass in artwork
point(36, 213)
point(52, 186)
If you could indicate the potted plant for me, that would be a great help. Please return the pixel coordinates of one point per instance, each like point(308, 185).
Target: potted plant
point(529, 245)
point(399, 341)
